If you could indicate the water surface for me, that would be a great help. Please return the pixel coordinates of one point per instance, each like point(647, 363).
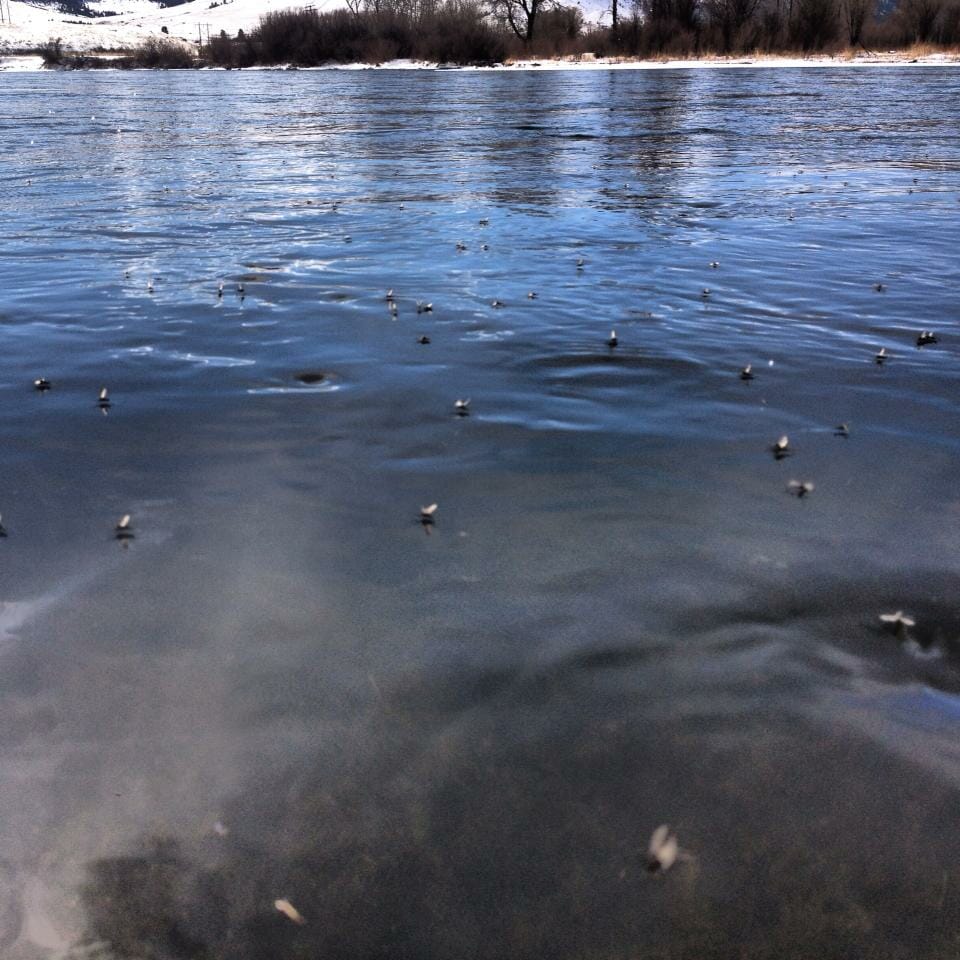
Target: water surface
point(455, 741)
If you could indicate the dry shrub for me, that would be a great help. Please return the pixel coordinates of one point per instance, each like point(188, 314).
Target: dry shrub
point(161, 54)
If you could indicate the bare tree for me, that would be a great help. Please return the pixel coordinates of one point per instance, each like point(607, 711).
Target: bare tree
point(520, 15)
point(730, 16)
point(919, 18)
point(814, 23)
point(855, 13)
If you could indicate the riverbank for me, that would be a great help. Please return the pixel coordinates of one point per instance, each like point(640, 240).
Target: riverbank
point(121, 29)
point(29, 62)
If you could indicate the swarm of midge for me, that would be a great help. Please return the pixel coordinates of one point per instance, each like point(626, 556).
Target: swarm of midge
point(124, 528)
point(663, 850)
point(612, 340)
point(462, 407)
point(781, 448)
point(881, 356)
point(925, 338)
point(285, 907)
point(424, 307)
point(42, 384)
point(800, 488)
point(103, 399)
point(898, 622)
point(747, 372)
point(423, 340)
point(427, 514)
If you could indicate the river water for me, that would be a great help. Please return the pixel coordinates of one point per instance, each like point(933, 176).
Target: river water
point(454, 740)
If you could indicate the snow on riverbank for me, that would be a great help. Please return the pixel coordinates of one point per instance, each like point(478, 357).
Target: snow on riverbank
point(18, 62)
point(131, 22)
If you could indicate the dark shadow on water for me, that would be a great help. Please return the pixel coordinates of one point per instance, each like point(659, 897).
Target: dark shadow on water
point(846, 613)
point(498, 844)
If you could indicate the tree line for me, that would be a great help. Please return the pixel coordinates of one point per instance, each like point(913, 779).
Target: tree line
point(490, 31)
point(474, 31)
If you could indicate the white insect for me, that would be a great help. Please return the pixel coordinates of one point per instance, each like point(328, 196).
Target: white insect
point(103, 399)
point(289, 911)
point(898, 620)
point(426, 513)
point(881, 355)
point(663, 850)
point(612, 339)
point(124, 525)
point(800, 488)
point(747, 372)
point(461, 404)
point(782, 447)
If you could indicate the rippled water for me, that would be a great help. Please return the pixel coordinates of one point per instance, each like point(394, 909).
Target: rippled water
point(455, 741)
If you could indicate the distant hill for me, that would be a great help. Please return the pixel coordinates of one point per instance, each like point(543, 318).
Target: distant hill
point(81, 8)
